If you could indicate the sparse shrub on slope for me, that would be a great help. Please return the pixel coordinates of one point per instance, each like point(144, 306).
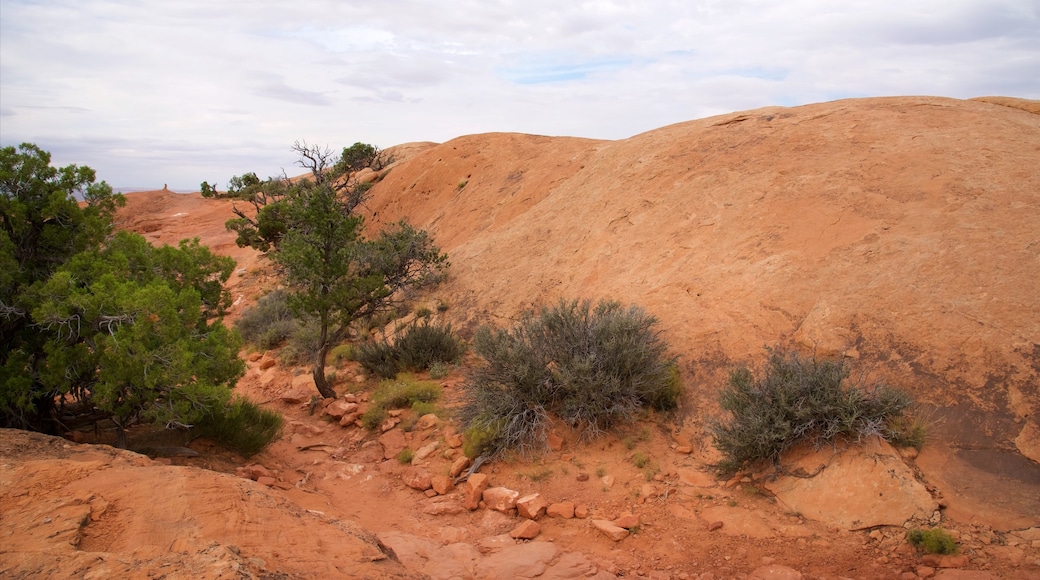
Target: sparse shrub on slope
point(592, 367)
point(422, 345)
point(268, 323)
point(799, 399)
point(418, 348)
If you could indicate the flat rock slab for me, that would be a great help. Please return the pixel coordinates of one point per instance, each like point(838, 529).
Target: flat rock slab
point(862, 487)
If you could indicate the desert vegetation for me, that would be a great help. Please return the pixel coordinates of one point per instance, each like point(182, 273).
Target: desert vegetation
point(332, 274)
point(798, 399)
point(103, 325)
point(419, 347)
point(593, 367)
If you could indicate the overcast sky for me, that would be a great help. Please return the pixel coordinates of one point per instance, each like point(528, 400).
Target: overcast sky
point(181, 91)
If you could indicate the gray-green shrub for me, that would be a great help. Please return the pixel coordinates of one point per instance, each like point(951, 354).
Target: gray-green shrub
point(422, 345)
point(268, 323)
point(591, 367)
point(798, 399)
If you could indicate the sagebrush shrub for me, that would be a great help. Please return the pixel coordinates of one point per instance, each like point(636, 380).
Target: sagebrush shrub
point(268, 323)
point(591, 367)
point(798, 399)
point(422, 345)
point(378, 358)
point(418, 347)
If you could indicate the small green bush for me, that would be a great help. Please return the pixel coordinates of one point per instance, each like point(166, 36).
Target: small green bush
point(398, 394)
point(439, 370)
point(268, 323)
point(933, 541)
point(378, 358)
point(798, 399)
point(342, 353)
point(422, 345)
point(592, 367)
point(405, 455)
point(640, 459)
point(373, 417)
point(303, 342)
point(241, 425)
point(402, 394)
point(421, 408)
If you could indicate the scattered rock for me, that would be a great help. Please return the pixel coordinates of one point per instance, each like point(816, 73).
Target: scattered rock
point(459, 465)
point(531, 506)
point(268, 481)
point(393, 442)
point(296, 396)
point(564, 509)
point(609, 530)
point(527, 530)
point(474, 490)
point(428, 421)
point(267, 362)
point(582, 477)
point(716, 525)
point(442, 506)
point(425, 451)
point(608, 481)
point(416, 478)
point(627, 520)
point(684, 449)
point(500, 499)
point(581, 511)
point(442, 484)
point(339, 408)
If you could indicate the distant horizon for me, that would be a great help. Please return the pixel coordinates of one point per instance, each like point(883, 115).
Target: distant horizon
point(192, 91)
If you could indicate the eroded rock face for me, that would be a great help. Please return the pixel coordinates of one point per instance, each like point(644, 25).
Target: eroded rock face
point(861, 487)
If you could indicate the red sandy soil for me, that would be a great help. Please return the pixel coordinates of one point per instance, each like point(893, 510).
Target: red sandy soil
point(903, 233)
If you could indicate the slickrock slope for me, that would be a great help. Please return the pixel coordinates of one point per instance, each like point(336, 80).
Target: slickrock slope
point(904, 232)
point(96, 512)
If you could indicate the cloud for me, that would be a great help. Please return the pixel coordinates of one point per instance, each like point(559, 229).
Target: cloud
point(200, 90)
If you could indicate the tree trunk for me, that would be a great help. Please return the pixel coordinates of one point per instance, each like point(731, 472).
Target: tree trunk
point(319, 364)
point(120, 433)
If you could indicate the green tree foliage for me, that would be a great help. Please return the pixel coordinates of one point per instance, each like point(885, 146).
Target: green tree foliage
point(332, 272)
point(106, 320)
point(128, 330)
point(592, 367)
point(42, 225)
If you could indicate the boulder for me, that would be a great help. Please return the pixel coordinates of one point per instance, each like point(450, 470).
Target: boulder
point(417, 479)
point(627, 520)
point(339, 408)
point(527, 530)
point(500, 499)
point(459, 465)
point(393, 442)
point(442, 484)
point(474, 490)
point(531, 506)
point(563, 509)
point(862, 487)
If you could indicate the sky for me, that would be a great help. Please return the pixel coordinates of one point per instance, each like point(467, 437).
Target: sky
point(179, 92)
